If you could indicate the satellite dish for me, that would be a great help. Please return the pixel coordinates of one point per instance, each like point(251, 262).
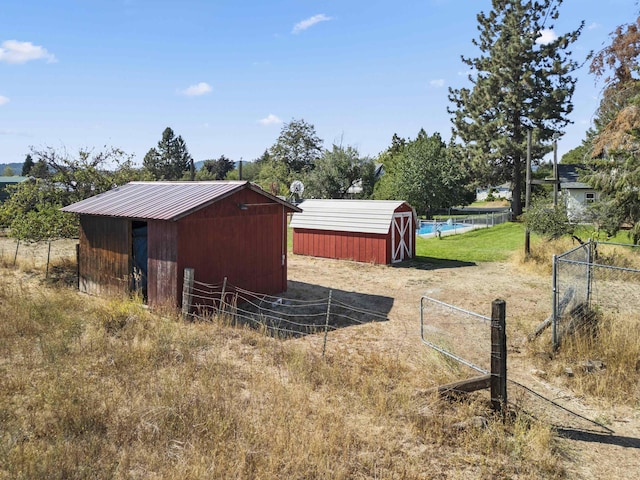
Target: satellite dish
point(297, 187)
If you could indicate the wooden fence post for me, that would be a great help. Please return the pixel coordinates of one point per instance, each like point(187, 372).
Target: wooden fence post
point(78, 265)
point(187, 292)
point(498, 356)
point(326, 325)
point(222, 308)
point(15, 257)
point(46, 275)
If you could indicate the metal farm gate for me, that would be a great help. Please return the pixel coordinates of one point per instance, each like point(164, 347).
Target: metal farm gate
point(469, 339)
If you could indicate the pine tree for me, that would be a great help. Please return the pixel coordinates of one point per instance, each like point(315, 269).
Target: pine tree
point(520, 82)
point(170, 160)
point(27, 165)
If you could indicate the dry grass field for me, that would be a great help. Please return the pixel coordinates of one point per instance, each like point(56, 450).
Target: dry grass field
point(104, 388)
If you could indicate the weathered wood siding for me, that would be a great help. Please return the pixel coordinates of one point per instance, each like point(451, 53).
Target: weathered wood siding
point(246, 246)
point(105, 255)
point(162, 264)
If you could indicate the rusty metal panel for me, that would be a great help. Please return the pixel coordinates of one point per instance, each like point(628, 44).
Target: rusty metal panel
point(163, 274)
point(165, 200)
point(105, 255)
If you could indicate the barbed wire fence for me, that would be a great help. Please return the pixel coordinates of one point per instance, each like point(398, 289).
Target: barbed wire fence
point(592, 280)
point(282, 316)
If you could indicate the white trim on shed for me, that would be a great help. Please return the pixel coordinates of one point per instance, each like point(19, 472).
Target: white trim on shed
point(363, 216)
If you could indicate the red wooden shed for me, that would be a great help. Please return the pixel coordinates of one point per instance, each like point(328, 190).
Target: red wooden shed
point(230, 229)
point(377, 231)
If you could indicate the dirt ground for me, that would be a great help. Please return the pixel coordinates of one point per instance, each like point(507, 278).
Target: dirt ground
point(398, 289)
point(474, 287)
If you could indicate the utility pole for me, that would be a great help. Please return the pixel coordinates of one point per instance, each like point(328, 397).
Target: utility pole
point(555, 170)
point(527, 200)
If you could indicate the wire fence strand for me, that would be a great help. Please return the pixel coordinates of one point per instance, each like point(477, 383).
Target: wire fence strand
point(281, 316)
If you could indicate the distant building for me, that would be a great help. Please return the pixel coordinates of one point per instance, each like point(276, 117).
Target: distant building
point(501, 191)
point(7, 181)
point(577, 195)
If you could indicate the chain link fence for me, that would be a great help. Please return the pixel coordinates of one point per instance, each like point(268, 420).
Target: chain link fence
point(592, 280)
point(459, 224)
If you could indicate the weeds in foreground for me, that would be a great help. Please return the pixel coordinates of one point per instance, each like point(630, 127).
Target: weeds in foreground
point(106, 389)
point(604, 359)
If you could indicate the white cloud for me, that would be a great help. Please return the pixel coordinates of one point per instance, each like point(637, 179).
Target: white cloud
point(594, 26)
point(3, 100)
point(310, 22)
point(546, 36)
point(13, 51)
point(438, 83)
point(270, 119)
point(196, 90)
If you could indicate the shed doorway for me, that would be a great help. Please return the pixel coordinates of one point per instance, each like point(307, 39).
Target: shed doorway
point(401, 237)
point(140, 257)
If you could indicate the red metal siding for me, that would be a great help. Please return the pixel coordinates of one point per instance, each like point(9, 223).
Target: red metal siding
point(105, 258)
point(162, 277)
point(361, 247)
point(246, 246)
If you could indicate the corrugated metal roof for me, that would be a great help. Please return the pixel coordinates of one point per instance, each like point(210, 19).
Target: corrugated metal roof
point(363, 216)
point(161, 200)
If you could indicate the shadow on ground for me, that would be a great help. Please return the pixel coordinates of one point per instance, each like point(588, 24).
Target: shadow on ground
point(430, 263)
point(304, 309)
point(596, 437)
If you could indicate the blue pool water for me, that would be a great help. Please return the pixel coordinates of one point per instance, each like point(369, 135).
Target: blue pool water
point(426, 228)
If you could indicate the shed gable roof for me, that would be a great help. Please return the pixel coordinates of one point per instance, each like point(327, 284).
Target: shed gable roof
point(361, 216)
point(162, 200)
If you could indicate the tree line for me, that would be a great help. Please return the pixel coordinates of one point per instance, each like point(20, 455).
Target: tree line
point(520, 81)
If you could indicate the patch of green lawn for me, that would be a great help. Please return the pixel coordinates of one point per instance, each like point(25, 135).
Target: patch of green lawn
point(482, 245)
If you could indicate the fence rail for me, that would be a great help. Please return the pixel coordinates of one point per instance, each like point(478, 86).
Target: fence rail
point(463, 224)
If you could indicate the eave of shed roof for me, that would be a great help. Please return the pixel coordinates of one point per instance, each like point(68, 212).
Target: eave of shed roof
point(163, 200)
point(362, 216)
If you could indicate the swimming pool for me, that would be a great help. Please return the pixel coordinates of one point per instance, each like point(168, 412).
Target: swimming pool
point(427, 228)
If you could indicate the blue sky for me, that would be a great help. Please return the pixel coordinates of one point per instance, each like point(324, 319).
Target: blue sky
point(226, 74)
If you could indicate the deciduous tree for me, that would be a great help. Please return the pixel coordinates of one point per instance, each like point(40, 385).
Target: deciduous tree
point(337, 171)
point(216, 169)
point(33, 213)
point(298, 146)
point(429, 175)
point(520, 81)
